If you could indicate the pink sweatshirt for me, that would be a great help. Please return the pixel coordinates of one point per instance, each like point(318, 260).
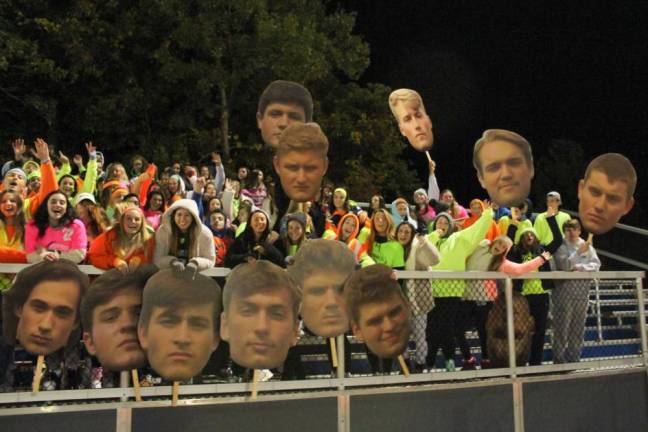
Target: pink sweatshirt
point(519, 269)
point(70, 238)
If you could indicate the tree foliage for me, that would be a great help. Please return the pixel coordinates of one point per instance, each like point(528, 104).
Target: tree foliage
point(174, 79)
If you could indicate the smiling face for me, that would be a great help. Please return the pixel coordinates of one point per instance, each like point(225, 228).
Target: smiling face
point(9, 205)
point(504, 172)
point(14, 181)
point(415, 125)
point(259, 223)
point(178, 341)
point(602, 203)
point(323, 307)
point(404, 234)
point(260, 328)
point(295, 231)
point(338, 200)
point(384, 326)
point(56, 207)
point(183, 219)
point(113, 339)
point(156, 202)
point(67, 186)
point(132, 222)
point(48, 316)
point(276, 118)
point(348, 228)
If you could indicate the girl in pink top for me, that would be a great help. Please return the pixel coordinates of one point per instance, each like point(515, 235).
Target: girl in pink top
point(55, 233)
point(500, 247)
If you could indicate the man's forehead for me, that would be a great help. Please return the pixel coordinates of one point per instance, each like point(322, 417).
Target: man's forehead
point(601, 180)
point(408, 106)
point(377, 308)
point(186, 310)
point(278, 294)
point(326, 277)
point(285, 106)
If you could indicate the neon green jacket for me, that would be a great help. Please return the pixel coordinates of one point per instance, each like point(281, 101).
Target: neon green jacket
point(454, 251)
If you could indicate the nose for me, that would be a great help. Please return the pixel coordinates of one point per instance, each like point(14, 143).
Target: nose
point(599, 203)
point(181, 335)
point(46, 323)
point(282, 121)
point(506, 171)
point(262, 324)
point(388, 325)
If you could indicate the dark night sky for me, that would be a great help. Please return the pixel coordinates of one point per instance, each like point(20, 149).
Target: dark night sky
point(575, 71)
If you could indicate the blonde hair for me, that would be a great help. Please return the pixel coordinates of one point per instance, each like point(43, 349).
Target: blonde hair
point(302, 137)
point(407, 97)
point(124, 245)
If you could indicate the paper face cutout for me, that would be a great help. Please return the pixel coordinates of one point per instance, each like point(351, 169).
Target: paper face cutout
point(605, 194)
point(504, 166)
point(178, 324)
point(413, 121)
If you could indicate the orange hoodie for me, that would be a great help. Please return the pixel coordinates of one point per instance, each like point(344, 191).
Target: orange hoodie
point(102, 255)
point(493, 230)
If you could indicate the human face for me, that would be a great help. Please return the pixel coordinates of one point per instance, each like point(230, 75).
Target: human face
point(204, 171)
point(215, 204)
point(323, 306)
point(137, 166)
point(173, 185)
point(217, 221)
point(176, 168)
point(179, 341)
point(572, 233)
point(260, 328)
point(348, 228)
point(447, 197)
point(415, 125)
point(113, 339)
point(258, 222)
point(210, 191)
point(9, 205)
point(380, 223)
point(499, 247)
point(553, 203)
point(375, 202)
point(56, 207)
point(443, 225)
point(528, 238)
point(295, 231)
point(276, 118)
point(420, 198)
point(183, 219)
point(338, 200)
point(476, 209)
point(156, 203)
point(242, 173)
point(118, 172)
point(14, 182)
point(48, 316)
point(301, 173)
point(384, 326)
point(602, 203)
point(404, 234)
point(504, 173)
point(34, 184)
point(81, 211)
point(132, 223)
point(401, 208)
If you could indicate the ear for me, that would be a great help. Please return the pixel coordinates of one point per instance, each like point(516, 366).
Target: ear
point(275, 164)
point(224, 327)
point(356, 331)
point(216, 341)
point(141, 334)
point(581, 188)
point(532, 169)
point(295, 336)
point(400, 127)
point(18, 310)
point(89, 343)
point(259, 118)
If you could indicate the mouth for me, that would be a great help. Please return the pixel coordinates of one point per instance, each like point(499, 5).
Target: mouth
point(40, 340)
point(508, 186)
point(180, 356)
point(260, 347)
point(131, 343)
point(596, 218)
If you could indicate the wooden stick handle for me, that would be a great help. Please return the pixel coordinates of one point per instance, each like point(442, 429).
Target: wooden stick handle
point(590, 237)
point(334, 358)
point(403, 366)
point(136, 385)
point(427, 153)
point(255, 381)
point(40, 362)
point(174, 393)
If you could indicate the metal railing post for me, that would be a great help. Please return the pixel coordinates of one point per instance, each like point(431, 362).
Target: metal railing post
point(642, 322)
point(510, 329)
point(599, 321)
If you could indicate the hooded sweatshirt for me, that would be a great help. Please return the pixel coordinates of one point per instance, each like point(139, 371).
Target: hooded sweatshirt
point(493, 230)
point(202, 251)
point(398, 218)
point(359, 249)
point(455, 250)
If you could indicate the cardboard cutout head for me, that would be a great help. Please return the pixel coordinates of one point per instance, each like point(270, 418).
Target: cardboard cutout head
point(414, 123)
point(320, 270)
point(178, 325)
point(504, 164)
point(301, 160)
point(379, 312)
point(281, 104)
point(109, 314)
point(259, 320)
point(41, 309)
point(606, 192)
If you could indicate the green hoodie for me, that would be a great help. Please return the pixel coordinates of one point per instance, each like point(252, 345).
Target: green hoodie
point(454, 251)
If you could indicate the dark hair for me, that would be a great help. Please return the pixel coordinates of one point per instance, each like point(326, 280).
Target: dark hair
point(248, 233)
point(147, 206)
point(321, 256)
point(287, 92)
point(19, 223)
point(73, 182)
point(27, 279)
point(41, 217)
point(407, 248)
point(373, 284)
point(109, 285)
point(170, 290)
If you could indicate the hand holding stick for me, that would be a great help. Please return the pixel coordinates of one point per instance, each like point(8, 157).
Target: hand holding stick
point(38, 374)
